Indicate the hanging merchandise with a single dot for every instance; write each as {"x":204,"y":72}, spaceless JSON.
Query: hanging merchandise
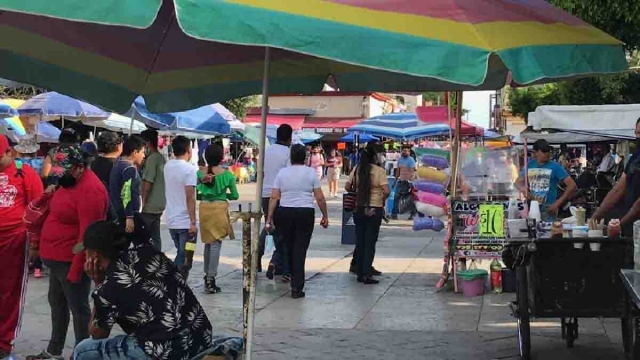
{"x":427,"y":223}
{"x":437,"y":162}
{"x":433,"y":199}
{"x":429,"y":210}
{"x":429,"y":186}
{"x":432,"y":174}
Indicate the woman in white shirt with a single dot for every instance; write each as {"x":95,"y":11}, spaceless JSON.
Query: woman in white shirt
{"x":296,"y":187}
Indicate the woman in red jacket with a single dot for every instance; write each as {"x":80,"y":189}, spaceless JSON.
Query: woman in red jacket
{"x":80,"y":200}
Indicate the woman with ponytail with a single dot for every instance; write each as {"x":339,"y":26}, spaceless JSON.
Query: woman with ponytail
{"x":372,"y":189}
{"x":216,"y":186}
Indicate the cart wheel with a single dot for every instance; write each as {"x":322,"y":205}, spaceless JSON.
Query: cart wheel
{"x":571,"y":326}
{"x":627,"y":337}
{"x":524,"y":338}
{"x":524,"y":328}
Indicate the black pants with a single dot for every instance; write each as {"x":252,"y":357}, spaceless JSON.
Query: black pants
{"x":296,"y":227}
{"x":367,"y":231}
{"x":65,"y":296}
{"x":152,"y":222}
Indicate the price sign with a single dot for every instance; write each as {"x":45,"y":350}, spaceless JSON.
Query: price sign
{"x":491,"y":220}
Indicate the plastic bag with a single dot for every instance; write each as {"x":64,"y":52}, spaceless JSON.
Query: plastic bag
{"x":433,"y":199}
{"x":429,"y":186}
{"x":435,"y":161}
{"x":406,"y":204}
{"x":269,"y":244}
{"x":429,"y":210}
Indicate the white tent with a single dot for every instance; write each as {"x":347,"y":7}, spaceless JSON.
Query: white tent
{"x":581,"y":124}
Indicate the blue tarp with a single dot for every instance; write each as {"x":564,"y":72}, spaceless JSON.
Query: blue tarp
{"x":403,"y":126}
{"x":53,"y":104}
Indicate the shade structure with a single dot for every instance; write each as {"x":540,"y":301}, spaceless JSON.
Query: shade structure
{"x":205,"y":120}
{"x":6,"y":111}
{"x":440,"y":115}
{"x":46,"y":133}
{"x":363,"y":138}
{"x":189,"y":54}
{"x":299,"y":136}
{"x":55,"y":105}
{"x":118,"y":123}
{"x":403,"y":126}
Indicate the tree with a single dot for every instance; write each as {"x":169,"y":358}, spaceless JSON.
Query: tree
{"x":526,"y":100}
{"x":20,"y":92}
{"x":239,"y":106}
{"x":619,"y":18}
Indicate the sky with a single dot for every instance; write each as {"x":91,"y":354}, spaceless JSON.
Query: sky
{"x":477,"y":102}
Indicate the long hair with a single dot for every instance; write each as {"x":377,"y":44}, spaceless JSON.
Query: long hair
{"x":363,"y":173}
{"x":214,"y":155}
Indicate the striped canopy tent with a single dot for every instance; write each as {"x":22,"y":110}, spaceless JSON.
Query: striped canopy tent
{"x":408,"y":126}
{"x":197,"y":52}
{"x":191,"y":54}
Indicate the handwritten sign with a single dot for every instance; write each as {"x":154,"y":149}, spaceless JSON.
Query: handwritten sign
{"x":491,"y":220}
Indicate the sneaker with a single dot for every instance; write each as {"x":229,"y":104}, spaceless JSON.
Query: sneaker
{"x":44,"y":356}
{"x":297,"y":294}
{"x":210,"y":286}
{"x":37,"y":273}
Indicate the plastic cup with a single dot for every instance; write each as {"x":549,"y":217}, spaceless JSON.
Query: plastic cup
{"x":595,"y":246}
{"x":578,"y":245}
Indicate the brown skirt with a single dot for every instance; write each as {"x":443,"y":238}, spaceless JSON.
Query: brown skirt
{"x":215,"y":224}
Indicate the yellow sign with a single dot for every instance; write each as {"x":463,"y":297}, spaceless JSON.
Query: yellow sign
{"x":491,"y":220}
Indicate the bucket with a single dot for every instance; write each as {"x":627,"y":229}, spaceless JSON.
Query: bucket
{"x":472,"y":282}
{"x":508,"y":280}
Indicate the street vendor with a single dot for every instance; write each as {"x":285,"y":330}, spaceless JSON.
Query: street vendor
{"x":544,"y":176}
{"x":623,"y":201}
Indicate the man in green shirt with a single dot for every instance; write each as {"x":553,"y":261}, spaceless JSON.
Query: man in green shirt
{"x":153,"y":198}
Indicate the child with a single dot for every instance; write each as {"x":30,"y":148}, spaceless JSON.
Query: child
{"x":215,"y":186}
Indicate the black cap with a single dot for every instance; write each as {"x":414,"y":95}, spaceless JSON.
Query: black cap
{"x":541,"y":145}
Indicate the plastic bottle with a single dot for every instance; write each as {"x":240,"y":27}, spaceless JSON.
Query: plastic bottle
{"x":512,"y":211}
{"x":429,"y":186}
{"x":496,"y":276}
{"x":534,"y":211}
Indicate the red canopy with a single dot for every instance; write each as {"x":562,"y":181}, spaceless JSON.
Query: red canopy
{"x":331,"y":123}
{"x":440,"y":115}
{"x":294,"y":120}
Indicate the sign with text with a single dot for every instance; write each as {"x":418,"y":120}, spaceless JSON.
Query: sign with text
{"x":491,"y":220}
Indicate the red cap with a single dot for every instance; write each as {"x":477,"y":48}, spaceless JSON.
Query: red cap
{"x":4,"y":144}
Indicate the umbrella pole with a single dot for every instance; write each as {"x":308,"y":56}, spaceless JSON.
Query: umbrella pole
{"x":456,"y":144}
{"x":250,"y":302}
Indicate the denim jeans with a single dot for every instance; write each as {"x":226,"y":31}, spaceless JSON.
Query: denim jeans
{"x":367,"y":232}
{"x":64,"y":296}
{"x":121,"y":347}
{"x":179,"y":237}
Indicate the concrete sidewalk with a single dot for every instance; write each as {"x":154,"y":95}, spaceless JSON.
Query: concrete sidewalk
{"x":403,"y":317}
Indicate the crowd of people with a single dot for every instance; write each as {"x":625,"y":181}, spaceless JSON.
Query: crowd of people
{"x":98,"y":210}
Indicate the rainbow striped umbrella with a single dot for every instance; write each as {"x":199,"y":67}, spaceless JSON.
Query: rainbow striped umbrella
{"x":190,"y":54}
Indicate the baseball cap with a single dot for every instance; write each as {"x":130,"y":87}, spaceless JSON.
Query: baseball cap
{"x":4,"y":144}
{"x":541,"y":145}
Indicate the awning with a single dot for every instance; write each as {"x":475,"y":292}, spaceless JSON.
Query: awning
{"x":336,"y":124}
{"x":295,"y":121}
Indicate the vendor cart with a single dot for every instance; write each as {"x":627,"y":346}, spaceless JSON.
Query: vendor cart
{"x":564,"y":278}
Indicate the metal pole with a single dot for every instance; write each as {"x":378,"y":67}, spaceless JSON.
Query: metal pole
{"x":456,"y":144}
{"x":255,"y":234}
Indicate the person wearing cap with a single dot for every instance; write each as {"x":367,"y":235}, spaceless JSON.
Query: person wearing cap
{"x":109,"y":150}
{"x":79,"y":200}
{"x":153,"y":199}
{"x":544,"y":176}
{"x":141,"y":290}
{"x":19,"y":185}
{"x":56,"y":160}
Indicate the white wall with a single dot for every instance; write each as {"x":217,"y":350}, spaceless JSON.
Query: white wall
{"x":514,"y":129}
{"x":325,"y":106}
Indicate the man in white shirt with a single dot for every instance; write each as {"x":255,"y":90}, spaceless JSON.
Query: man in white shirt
{"x":181,"y":178}
{"x":276,"y":157}
{"x":608,"y":163}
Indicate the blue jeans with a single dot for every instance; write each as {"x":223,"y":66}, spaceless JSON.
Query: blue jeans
{"x":180,"y":238}
{"x":121,"y":347}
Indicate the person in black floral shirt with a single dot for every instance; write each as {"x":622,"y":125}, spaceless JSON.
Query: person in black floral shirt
{"x":141,"y":290}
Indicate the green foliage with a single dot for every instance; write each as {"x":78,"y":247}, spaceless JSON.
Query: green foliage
{"x":20,"y":92}
{"x":239,"y":106}
{"x":619,"y":18}
{"x":525,"y":100}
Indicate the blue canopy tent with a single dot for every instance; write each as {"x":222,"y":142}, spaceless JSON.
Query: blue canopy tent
{"x":52,"y":105}
{"x":7,"y":111}
{"x":363,"y":138}
{"x":402,"y":126}
{"x":205,"y":120}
